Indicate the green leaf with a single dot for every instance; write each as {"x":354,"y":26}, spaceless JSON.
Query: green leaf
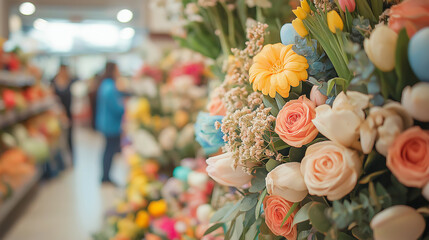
{"x":291,"y":210}
{"x":259,"y":204}
{"x":238,"y":228}
{"x":377,"y":7}
{"x":271,"y":103}
{"x":302,"y":214}
{"x":252,"y":232}
{"x":280,"y":101}
{"x":318,"y":218}
{"x":371,"y":176}
{"x":365,"y":10}
{"x":280,"y":145}
{"x":232,"y":213}
{"x":340,"y":84}
{"x":271,"y":164}
{"x":217,"y":216}
{"x":317,"y":140}
{"x":349,"y":20}
{"x":298,"y":89}
{"x":258,"y":183}
{"x":297,"y":154}
{"x":403,"y":69}
{"x":213,"y":228}
{"x":248,"y":202}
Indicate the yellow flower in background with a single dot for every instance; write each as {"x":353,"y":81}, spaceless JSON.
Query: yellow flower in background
{"x":299,"y":27}
{"x":181,"y":118}
{"x":143,"y":219}
{"x":334,"y":21}
{"x":134,"y":160}
{"x":305,"y":6}
{"x":127,"y":227}
{"x":276,"y":68}
{"x":300,"y":13}
{"x":157,"y":208}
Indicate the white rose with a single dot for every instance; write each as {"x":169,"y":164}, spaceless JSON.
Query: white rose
{"x":398,"y":223}
{"x":416,"y":100}
{"x":287,"y":182}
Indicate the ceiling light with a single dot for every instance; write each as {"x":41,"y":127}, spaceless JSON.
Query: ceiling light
{"x":40,"y":24}
{"x":127,"y":33}
{"x":27,"y":8}
{"x":124,"y":15}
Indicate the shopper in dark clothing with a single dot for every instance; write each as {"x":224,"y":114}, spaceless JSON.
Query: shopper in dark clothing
{"x":62,"y":87}
{"x":110,"y":109}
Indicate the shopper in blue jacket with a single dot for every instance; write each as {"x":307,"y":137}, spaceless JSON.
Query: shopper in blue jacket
{"x":110,"y":108}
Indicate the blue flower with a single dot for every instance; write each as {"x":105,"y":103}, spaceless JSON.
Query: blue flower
{"x":320,"y":67}
{"x":206,"y":134}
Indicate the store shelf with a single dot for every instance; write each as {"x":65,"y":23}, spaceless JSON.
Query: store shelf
{"x":11,"y":117}
{"x":18,"y":79}
{"x":9,"y":204}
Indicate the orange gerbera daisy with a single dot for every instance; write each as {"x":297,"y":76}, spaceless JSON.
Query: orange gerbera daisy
{"x":276,"y":68}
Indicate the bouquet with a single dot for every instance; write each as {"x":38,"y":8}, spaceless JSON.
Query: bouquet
{"x":325,"y":135}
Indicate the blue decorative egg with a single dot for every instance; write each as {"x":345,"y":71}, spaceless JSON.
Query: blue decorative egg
{"x":288,"y":34}
{"x":182,"y":173}
{"x":418,"y":54}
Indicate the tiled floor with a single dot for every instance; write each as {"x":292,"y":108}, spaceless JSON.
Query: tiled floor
{"x":71,"y":206}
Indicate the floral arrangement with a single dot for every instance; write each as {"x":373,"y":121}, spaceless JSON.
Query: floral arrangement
{"x":213,"y":27}
{"x":160,"y":116}
{"x":155,"y":208}
{"x":325,"y":134}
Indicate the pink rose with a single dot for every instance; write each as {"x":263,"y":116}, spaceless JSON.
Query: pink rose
{"x":317,"y":97}
{"x":349,"y":4}
{"x":275,"y":209}
{"x":408,"y":157}
{"x":294,"y":125}
{"x":410,"y":14}
{"x":216,"y":107}
{"x":330,"y":169}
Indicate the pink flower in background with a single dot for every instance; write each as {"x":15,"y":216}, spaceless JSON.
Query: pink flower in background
{"x":166,"y":226}
{"x":153,"y":72}
{"x":410,"y":14}
{"x":349,"y":4}
{"x":194,"y":70}
{"x":294,"y":125}
{"x":408,"y":157}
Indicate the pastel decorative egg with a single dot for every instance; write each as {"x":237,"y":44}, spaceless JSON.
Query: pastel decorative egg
{"x":418,"y":54}
{"x":288,"y":34}
{"x":182,"y":173}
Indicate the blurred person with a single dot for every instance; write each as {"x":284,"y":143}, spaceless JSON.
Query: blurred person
{"x":109,"y":111}
{"x":61,"y":84}
{"x":93,"y":88}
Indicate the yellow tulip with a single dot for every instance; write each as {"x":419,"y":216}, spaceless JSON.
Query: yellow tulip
{"x":300,"y":13}
{"x":334,"y":21}
{"x":305,"y":6}
{"x":142,"y":219}
{"x":299,"y":27}
{"x":157,"y":208}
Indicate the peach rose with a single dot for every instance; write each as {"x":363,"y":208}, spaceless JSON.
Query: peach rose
{"x":294,"y":125}
{"x":410,"y":14}
{"x":275,"y":209}
{"x":408,"y":157}
{"x":216,"y":107}
{"x":330,"y":169}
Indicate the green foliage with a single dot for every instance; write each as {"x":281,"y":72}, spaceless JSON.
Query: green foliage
{"x":403,"y":69}
{"x":359,"y":210}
